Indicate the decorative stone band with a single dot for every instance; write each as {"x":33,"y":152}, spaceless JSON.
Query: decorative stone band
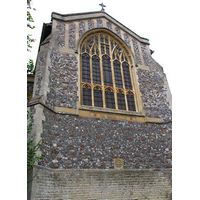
{"x":88,"y":111}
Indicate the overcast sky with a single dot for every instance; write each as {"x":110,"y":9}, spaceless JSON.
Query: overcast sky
{"x":167,"y":24}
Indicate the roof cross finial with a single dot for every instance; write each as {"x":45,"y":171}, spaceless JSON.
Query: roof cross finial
{"x":102,"y":5}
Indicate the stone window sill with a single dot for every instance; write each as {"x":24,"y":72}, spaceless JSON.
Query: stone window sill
{"x":113,"y":111}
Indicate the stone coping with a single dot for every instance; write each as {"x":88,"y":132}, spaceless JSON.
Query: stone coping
{"x":105,"y":170}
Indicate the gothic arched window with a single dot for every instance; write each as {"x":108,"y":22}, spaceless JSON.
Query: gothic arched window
{"x":107,"y":78}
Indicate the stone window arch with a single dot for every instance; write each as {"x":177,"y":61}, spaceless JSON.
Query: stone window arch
{"x":106,"y":74}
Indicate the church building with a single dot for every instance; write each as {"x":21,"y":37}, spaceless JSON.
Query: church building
{"x":101,"y":106}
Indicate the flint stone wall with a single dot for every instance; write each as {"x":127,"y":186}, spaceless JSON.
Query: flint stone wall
{"x":63,"y":80}
{"x":93,"y":143}
{"x":154,"y":94}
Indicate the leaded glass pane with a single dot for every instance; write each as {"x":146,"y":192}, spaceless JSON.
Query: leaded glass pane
{"x":98,"y":97}
{"x":85,"y":68}
{"x":96,"y":40}
{"x":121,"y":101}
{"x":112,"y":45}
{"x":107,"y":71}
{"x":118,"y":49}
{"x":102,"y":49}
{"x":122,"y":57}
{"x":117,"y":55}
{"x":87,"y":96}
{"x":106,"y":39}
{"x":110,"y":101}
{"x":96,"y":70}
{"x":83,"y":48}
{"x":118,"y":76}
{"x":87,"y":49}
{"x":93,"y":51}
{"x":107,"y":50}
{"x":127,"y":78}
{"x":101,"y":38}
{"x":113,"y":54}
{"x":90,"y":41}
{"x":131,"y":101}
{"x":97,"y":51}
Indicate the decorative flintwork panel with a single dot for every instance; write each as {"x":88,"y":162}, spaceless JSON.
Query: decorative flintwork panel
{"x":118,"y":31}
{"x":99,"y":23}
{"x":127,"y":39}
{"x":60,"y":40}
{"x":72,"y":35}
{"x":136,"y":50}
{"x":90,"y":24}
{"x":109,"y":25}
{"x":81,"y":28}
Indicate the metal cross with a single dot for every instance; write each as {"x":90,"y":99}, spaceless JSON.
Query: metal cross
{"x":102,"y":5}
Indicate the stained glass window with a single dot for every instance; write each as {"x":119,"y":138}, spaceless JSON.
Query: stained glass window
{"x":106,"y":73}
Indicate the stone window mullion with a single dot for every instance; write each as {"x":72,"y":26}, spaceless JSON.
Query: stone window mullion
{"x":101,"y":71}
{"x":91,"y":78}
{"x":113,"y":75}
{"x":123,"y":82}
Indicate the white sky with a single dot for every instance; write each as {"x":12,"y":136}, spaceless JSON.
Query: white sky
{"x":167,"y":24}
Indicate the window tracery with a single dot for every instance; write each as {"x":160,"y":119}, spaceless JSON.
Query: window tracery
{"x":106,"y":74}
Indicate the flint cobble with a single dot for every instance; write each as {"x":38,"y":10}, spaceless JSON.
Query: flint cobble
{"x":155,"y":104}
{"x":62,"y":80}
{"x":82,"y":142}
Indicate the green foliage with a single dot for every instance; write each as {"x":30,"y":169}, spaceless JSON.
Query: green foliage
{"x":29,"y":20}
{"x":32,"y":149}
{"x":29,"y":41}
{"x":29,"y":17}
{"x":32,"y":158}
{"x":30,"y":67}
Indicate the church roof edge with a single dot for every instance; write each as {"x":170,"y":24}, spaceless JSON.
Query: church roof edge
{"x":96,"y":14}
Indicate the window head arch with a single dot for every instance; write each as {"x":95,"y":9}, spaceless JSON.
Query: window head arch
{"x":106,"y":67}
